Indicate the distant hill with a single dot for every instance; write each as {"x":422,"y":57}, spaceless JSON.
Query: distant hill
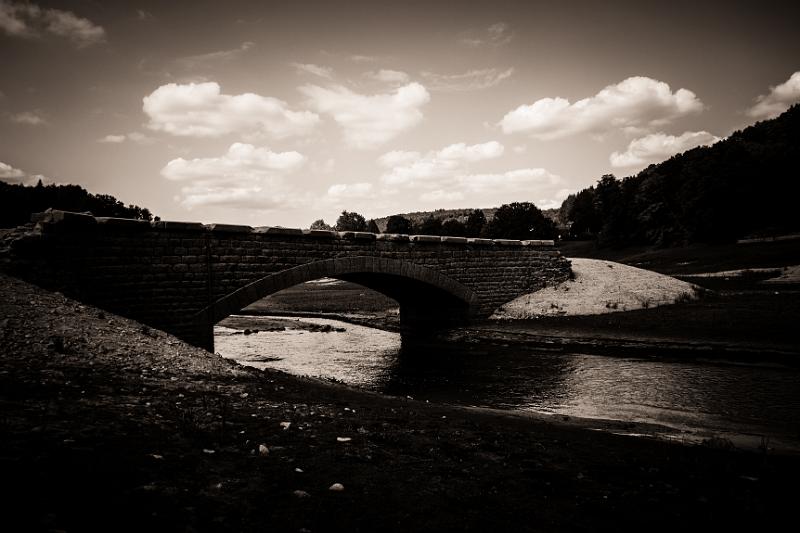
{"x":460,"y":214}
{"x":745,"y":185}
{"x":442,"y":214}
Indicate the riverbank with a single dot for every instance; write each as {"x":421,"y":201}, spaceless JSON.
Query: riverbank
{"x":110,"y":425}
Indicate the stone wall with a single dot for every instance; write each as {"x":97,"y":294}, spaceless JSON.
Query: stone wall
{"x":182,"y":277}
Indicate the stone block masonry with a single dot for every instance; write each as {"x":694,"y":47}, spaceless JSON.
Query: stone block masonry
{"x":183,"y":277}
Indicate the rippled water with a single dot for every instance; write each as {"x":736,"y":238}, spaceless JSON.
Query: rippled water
{"x":688,"y":399}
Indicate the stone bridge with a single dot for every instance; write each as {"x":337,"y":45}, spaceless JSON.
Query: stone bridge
{"x":184,"y":277}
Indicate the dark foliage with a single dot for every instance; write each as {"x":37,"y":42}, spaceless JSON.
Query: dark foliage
{"x":454,"y":228}
{"x":429,"y":226}
{"x":18,"y":202}
{"x":476,"y":221}
{"x":320,"y":224}
{"x":372,"y":226}
{"x":398,"y":224}
{"x":520,"y":220}
{"x":351,"y":222}
{"x":744,"y":185}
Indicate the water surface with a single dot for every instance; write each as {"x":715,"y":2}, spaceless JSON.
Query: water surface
{"x":685,"y":400}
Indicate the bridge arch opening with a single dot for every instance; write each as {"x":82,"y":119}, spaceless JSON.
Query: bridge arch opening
{"x":429,"y":301}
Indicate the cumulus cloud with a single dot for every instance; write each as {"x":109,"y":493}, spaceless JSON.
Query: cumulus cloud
{"x":245,"y":176}
{"x":369,"y":120}
{"x":29,"y":118}
{"x":498,"y":34}
{"x":388,"y":76}
{"x":350,"y":190}
{"x":659,"y":146}
{"x":446,"y":178}
{"x":30,"y":21}
{"x":11,"y":174}
{"x":472,"y":80}
{"x":778,"y":100}
{"x":311,"y":68}
{"x":16,"y":176}
{"x":202,"y":110}
{"x":409,"y":168}
{"x":538,"y":185}
{"x":133,"y":136}
{"x":632,"y":103}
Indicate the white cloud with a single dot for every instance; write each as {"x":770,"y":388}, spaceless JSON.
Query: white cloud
{"x":29,"y":118}
{"x":350,"y":190}
{"x":398,"y":158}
{"x":439,"y":196}
{"x":659,"y":146}
{"x":11,"y":174}
{"x":311,"y":68}
{"x":16,"y":176}
{"x":411,"y":168}
{"x":472,"y":80}
{"x":112,"y":139}
{"x":445,"y":178}
{"x":498,"y":34}
{"x":370,"y":120}
{"x":210,"y":58}
{"x":244,"y":177}
{"x":535,"y":185}
{"x":201,"y":110}
{"x":133,"y":136}
{"x":388,"y":76}
{"x":359,"y":58}
{"x":29,"y":20}
{"x":634,"y":102}
{"x":779,"y":99}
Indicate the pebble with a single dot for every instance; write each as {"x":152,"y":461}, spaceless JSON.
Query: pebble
{"x":301,"y":494}
{"x":263,"y":451}
{"x":336,"y":487}
{"x":285,"y":425}
{"x":343,"y":439}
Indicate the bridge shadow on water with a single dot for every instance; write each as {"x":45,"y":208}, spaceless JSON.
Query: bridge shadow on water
{"x":477,"y":374}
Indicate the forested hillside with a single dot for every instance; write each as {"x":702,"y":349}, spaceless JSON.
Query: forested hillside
{"x":747,"y":184}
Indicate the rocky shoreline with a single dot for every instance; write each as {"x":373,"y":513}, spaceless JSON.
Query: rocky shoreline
{"x":110,"y":425}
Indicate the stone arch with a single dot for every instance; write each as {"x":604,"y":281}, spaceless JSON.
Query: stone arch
{"x":410,"y":284}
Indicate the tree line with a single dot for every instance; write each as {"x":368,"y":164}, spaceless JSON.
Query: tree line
{"x":745,"y":185}
{"x":518,"y":220}
{"x":18,"y":201}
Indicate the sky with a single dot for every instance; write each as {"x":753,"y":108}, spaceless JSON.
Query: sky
{"x":281,"y":113}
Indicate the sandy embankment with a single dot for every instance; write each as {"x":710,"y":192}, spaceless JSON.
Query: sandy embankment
{"x":600,"y":287}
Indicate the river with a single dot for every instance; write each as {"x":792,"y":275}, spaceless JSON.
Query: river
{"x":750,"y":406}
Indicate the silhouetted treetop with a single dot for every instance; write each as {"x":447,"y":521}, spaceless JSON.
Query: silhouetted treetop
{"x":18,"y":202}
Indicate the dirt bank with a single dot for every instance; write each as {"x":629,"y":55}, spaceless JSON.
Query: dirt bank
{"x":109,"y":425}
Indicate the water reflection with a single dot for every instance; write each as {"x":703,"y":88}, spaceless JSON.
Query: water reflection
{"x":688,"y":397}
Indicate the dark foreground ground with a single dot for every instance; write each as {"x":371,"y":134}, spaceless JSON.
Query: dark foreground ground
{"x":107,"y":425}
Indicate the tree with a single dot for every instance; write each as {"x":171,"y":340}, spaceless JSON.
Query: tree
{"x":429,"y":226}
{"x":398,"y":224}
{"x":582,"y":216}
{"x":372,"y":226}
{"x":351,"y":222}
{"x":475,"y":223}
{"x":520,"y":220}
{"x":320,"y":224}
{"x":453,"y":227}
